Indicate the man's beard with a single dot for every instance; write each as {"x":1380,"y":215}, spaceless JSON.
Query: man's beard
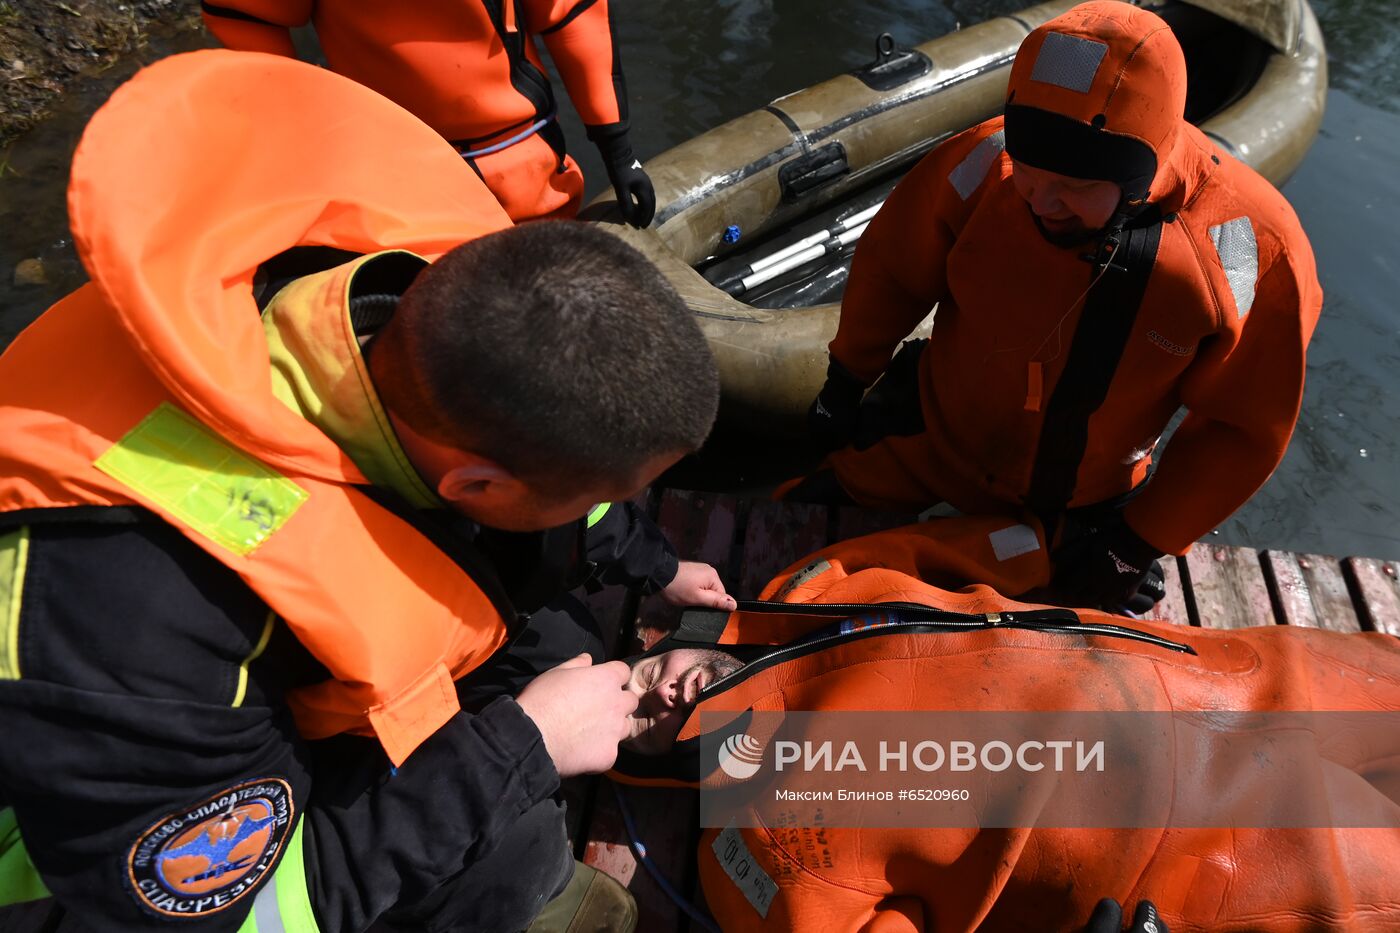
{"x":1075,"y":236}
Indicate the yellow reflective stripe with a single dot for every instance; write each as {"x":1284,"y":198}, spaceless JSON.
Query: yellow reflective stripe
{"x":253,"y":655}
{"x":183,"y":467}
{"x":19,"y":879}
{"x":14,"y":560}
{"x":595,"y":516}
{"x":284,"y":904}
{"x":293,"y":897}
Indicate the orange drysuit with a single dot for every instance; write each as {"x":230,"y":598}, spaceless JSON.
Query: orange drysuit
{"x":152,"y":385}
{"x":467,"y":68}
{"x":1230,"y":301}
{"x":1042,"y":879}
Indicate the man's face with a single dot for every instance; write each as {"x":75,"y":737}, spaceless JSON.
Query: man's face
{"x":522,"y":505}
{"x":1066,"y":208}
{"x":666,"y":686}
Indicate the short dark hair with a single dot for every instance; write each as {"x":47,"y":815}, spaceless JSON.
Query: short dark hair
{"x":553,"y":348}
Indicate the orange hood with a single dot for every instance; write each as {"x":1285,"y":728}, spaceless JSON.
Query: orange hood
{"x":1099,"y":92}
{"x":172,"y":242}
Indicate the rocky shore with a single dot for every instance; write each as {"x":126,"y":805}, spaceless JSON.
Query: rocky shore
{"x":46,"y":46}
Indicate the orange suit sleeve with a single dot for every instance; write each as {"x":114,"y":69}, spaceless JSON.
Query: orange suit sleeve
{"x":1242,"y":396}
{"x":580,"y":39}
{"x":899,"y":271}
{"x":256,"y":25}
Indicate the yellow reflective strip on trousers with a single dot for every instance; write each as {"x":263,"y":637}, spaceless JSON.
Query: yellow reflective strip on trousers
{"x":14,"y":560}
{"x":19,"y":879}
{"x":596,"y":516}
{"x":207,"y":483}
{"x":284,"y":904}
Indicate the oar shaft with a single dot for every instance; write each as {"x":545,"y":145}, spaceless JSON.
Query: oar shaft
{"x":821,"y":236}
{"x":771,"y":272}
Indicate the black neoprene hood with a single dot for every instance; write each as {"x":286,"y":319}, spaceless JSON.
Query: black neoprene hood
{"x":1056,"y":143}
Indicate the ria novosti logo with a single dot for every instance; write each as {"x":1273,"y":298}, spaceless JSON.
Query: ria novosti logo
{"x":741,"y":756}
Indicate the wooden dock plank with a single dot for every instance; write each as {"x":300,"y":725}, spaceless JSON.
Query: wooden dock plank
{"x":1228,"y":587}
{"x":778,"y":534}
{"x":1290,"y":589}
{"x":1328,"y":593}
{"x":1172,"y":607}
{"x":700,"y":526}
{"x":1377,"y":586}
{"x":666,"y":819}
{"x":1311,"y":590}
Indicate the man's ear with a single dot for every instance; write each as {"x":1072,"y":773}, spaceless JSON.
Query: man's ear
{"x":474,"y":478}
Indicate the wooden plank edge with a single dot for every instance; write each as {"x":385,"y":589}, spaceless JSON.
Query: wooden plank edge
{"x":1288,"y":590}
{"x":1330,"y":593}
{"x":1375,"y":592}
{"x":1228,"y":587}
{"x":1188,"y":591}
{"x":663,"y":820}
{"x":700,"y":525}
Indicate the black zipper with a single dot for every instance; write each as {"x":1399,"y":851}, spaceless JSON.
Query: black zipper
{"x":937,"y":621}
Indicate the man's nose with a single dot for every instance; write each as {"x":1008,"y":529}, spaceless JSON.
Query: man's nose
{"x":1045,"y":199}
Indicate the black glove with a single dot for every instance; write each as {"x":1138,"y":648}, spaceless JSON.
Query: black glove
{"x":835,"y":412}
{"x":892,"y":407}
{"x":1149,"y":592}
{"x":635,"y":196}
{"x":1108,"y":918}
{"x":1108,"y":569}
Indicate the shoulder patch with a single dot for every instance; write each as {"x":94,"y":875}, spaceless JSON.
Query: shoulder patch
{"x":1013,"y":541}
{"x":971,"y":171}
{"x":204,"y":859}
{"x":1239,"y":256}
{"x":203,"y":480}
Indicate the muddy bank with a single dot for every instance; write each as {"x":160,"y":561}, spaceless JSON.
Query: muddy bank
{"x":58,"y":62}
{"x":48,"y":46}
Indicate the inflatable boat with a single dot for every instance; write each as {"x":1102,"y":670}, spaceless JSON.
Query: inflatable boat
{"x":756,"y":220}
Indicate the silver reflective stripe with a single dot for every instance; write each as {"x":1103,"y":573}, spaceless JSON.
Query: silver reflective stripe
{"x":1014,"y":541}
{"x":1068,"y":61}
{"x":265,"y":909}
{"x":972,"y":169}
{"x":1239,"y":256}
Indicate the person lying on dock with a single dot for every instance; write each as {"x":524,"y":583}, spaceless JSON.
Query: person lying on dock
{"x":292,"y":494}
{"x":1303,"y":820}
{"x":1097,"y":263}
